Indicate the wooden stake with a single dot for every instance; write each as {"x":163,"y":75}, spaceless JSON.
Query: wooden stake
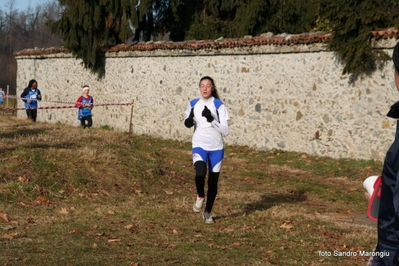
{"x":131,"y":118}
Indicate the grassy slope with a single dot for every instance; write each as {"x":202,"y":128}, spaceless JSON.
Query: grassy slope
{"x":98,"y":197}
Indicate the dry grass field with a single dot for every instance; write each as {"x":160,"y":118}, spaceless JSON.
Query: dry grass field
{"x":70,"y":196}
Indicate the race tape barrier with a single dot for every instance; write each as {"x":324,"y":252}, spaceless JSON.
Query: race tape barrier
{"x":64,"y":107}
{"x":62,"y":102}
{"x":42,"y":101}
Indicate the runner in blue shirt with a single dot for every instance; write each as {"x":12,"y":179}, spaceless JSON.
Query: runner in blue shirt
{"x":1,"y":96}
{"x":31,"y":95}
{"x":85,"y":104}
{"x":209,"y":117}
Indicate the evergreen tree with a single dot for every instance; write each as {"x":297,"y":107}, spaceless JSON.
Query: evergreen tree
{"x":210,"y":19}
{"x":181,"y":15}
{"x":292,"y":16}
{"x":142,"y":20}
{"x":88,"y":25}
{"x":352,"y":22}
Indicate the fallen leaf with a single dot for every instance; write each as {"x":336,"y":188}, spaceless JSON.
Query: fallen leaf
{"x":10,"y":236}
{"x":75,"y":231}
{"x":111,"y":212}
{"x":7,"y":228}
{"x":5,"y":217}
{"x":129,"y":226}
{"x":63,"y":211}
{"x":35,"y":203}
{"x":22,"y":204}
{"x":94,"y":245}
{"x":42,"y":190}
{"x":43,"y":199}
{"x":105,"y":192}
{"x":23,"y":179}
{"x":134,"y":264}
{"x":175,"y":232}
{"x":286,"y":225}
{"x":168,"y":192}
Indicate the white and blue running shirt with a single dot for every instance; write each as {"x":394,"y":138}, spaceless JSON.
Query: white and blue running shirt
{"x":32,"y":99}
{"x":209,"y":136}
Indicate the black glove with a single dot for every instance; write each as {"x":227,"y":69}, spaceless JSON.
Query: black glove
{"x":189,"y":122}
{"x":207,"y":113}
{"x":394,"y":111}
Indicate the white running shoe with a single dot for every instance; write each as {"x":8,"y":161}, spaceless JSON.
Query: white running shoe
{"x":208,"y":218}
{"x":198,"y":204}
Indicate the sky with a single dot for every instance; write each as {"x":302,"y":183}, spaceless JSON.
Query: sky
{"x":22,"y":5}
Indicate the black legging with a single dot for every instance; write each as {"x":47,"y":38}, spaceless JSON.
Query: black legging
{"x":88,"y":119}
{"x":32,"y":114}
{"x":213,"y":178}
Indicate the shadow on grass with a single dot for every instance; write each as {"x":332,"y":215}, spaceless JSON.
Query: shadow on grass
{"x":32,"y":132}
{"x":267,"y":201}
{"x":21,"y":133}
{"x":63,"y":145}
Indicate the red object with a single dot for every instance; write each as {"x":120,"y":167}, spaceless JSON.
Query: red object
{"x":374,"y":202}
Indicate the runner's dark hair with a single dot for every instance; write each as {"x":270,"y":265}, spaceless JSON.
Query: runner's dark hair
{"x":214,"y":91}
{"x":395,"y":57}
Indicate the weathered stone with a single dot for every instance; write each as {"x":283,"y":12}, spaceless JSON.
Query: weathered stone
{"x":299,"y":115}
{"x":386,"y":124}
{"x":297,"y":89}
{"x":258,"y":108}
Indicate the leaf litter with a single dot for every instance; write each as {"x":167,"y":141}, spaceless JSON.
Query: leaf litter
{"x":264,"y":197}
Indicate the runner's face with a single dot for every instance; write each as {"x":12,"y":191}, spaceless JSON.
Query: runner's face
{"x":206,"y":88}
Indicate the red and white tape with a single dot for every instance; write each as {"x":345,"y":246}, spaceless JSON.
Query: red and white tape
{"x":64,"y":107}
{"x":61,"y":102}
{"x":60,"y":107}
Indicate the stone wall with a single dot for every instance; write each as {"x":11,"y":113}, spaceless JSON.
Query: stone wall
{"x":292,"y":98}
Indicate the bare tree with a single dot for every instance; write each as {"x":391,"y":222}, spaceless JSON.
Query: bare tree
{"x":21,"y":30}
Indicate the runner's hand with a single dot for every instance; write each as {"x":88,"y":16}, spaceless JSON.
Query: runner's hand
{"x":207,"y":113}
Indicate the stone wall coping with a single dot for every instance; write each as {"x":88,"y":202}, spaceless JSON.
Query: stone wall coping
{"x":267,"y":43}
